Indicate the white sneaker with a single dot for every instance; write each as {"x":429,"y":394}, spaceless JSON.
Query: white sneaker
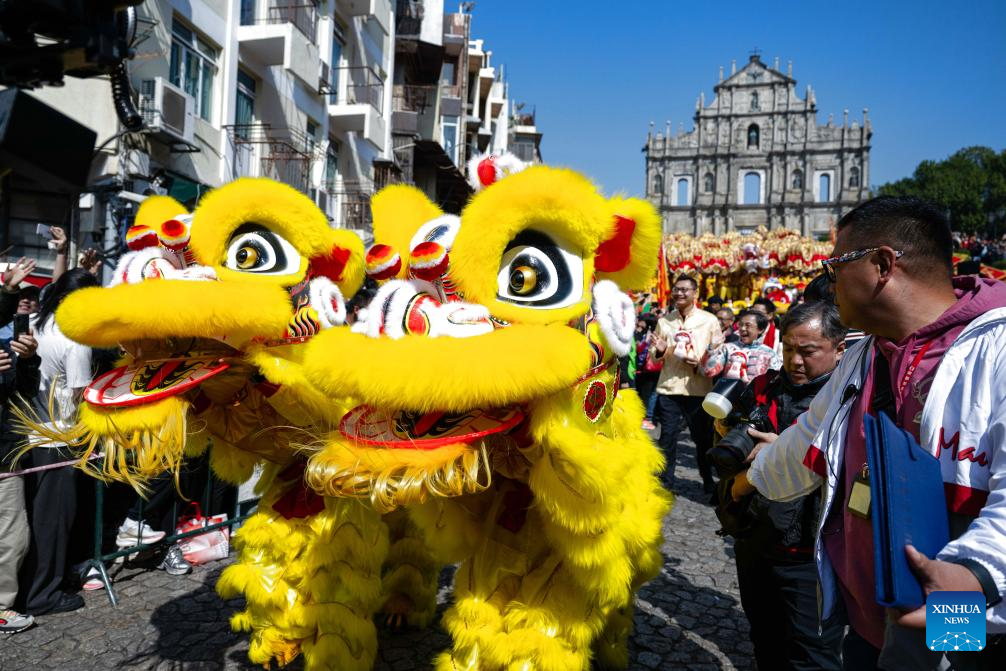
{"x":11,"y":621}
{"x":135,"y":533}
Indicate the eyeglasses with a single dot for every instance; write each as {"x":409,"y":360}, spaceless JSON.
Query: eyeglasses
{"x":686,"y":290}
{"x":829,"y":264}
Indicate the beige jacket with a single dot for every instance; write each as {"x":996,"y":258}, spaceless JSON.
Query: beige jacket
{"x":703,"y":331}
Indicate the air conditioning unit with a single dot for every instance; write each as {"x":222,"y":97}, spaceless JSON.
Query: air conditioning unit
{"x":167,"y":109}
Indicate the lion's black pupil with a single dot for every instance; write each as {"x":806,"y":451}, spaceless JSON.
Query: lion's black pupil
{"x":517,"y":281}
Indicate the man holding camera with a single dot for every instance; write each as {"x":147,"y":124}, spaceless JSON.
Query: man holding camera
{"x":774,"y":547}
{"x":938,"y":352}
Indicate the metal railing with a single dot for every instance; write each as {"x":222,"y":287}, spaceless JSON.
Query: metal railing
{"x":450,"y":90}
{"x":363,"y":85}
{"x":385,"y":173}
{"x":454,"y":24}
{"x":100,"y":559}
{"x":282,"y":154}
{"x":523,"y":119}
{"x":353,"y":199}
{"x":304,"y":16}
{"x":412,"y":97}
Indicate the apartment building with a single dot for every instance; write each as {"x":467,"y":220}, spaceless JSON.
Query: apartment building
{"x":336,"y":98}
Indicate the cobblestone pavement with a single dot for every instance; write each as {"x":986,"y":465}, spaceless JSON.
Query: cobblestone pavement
{"x":688,"y":618}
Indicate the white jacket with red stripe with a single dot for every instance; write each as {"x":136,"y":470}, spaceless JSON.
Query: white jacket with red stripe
{"x":963,"y":423}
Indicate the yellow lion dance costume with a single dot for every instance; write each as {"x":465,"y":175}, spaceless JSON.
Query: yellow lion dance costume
{"x":215,"y":310}
{"x":487,"y":372}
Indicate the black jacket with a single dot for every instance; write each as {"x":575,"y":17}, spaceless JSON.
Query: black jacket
{"x":21,"y":380}
{"x":780,"y":529}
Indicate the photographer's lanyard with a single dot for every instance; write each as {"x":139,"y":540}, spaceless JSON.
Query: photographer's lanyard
{"x":910,"y":371}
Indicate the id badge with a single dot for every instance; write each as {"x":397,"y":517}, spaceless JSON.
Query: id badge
{"x":859,"y":497}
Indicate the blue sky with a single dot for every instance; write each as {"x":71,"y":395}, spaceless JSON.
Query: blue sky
{"x":933,"y":74}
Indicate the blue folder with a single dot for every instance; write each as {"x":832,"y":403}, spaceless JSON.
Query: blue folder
{"x":907,"y":506}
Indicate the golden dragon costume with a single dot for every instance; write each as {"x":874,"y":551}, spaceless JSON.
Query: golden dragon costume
{"x":486,"y":370}
{"x":215,"y":310}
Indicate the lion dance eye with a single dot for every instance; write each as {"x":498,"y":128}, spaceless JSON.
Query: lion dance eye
{"x":256,"y":249}
{"x":247,"y":257}
{"x":523,"y":280}
{"x":537,"y":272}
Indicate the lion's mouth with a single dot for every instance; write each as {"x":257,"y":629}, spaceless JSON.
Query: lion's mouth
{"x":159,"y":369}
{"x":411,"y":430}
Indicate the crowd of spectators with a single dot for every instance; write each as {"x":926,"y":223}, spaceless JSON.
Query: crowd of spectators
{"x":681,"y":354}
{"x":990,"y":251}
{"x":803,"y":537}
{"x":47,"y":523}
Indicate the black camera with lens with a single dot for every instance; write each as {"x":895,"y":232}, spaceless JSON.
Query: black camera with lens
{"x":730,"y":454}
{"x":729,"y":457}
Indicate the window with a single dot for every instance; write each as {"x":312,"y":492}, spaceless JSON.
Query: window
{"x":447,"y":73}
{"x":853,"y":177}
{"x":754,"y":102}
{"x":824,"y":188}
{"x":450,"y":133}
{"x":311,"y":131}
{"x":523,"y":148}
{"x":193,"y":67}
{"x":244,"y":108}
{"x":331,"y":165}
{"x":710,"y":183}
{"x":798,"y":179}
{"x":338,"y":42}
{"x":247,"y":12}
{"x":753,"y":136}
{"x":658,"y":184}
{"x":683,"y":193}
{"x":752,"y":188}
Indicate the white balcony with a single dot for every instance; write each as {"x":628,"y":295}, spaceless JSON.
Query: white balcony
{"x":379,"y":9}
{"x":454,"y":33}
{"x":486,"y":77}
{"x":356,"y":103}
{"x":281,"y":33}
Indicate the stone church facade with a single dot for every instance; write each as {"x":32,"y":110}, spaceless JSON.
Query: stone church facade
{"x":758,"y":157}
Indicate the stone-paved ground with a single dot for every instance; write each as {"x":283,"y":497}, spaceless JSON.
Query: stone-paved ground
{"x":688,"y":618}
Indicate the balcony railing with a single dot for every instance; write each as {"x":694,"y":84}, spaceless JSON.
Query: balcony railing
{"x":385,"y":173}
{"x":304,"y":16}
{"x":450,"y":90}
{"x":523,"y":119}
{"x":353,"y":200}
{"x":454,"y":24}
{"x":413,"y":98}
{"x":363,"y":85}
{"x":408,"y":17}
{"x":282,"y":154}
